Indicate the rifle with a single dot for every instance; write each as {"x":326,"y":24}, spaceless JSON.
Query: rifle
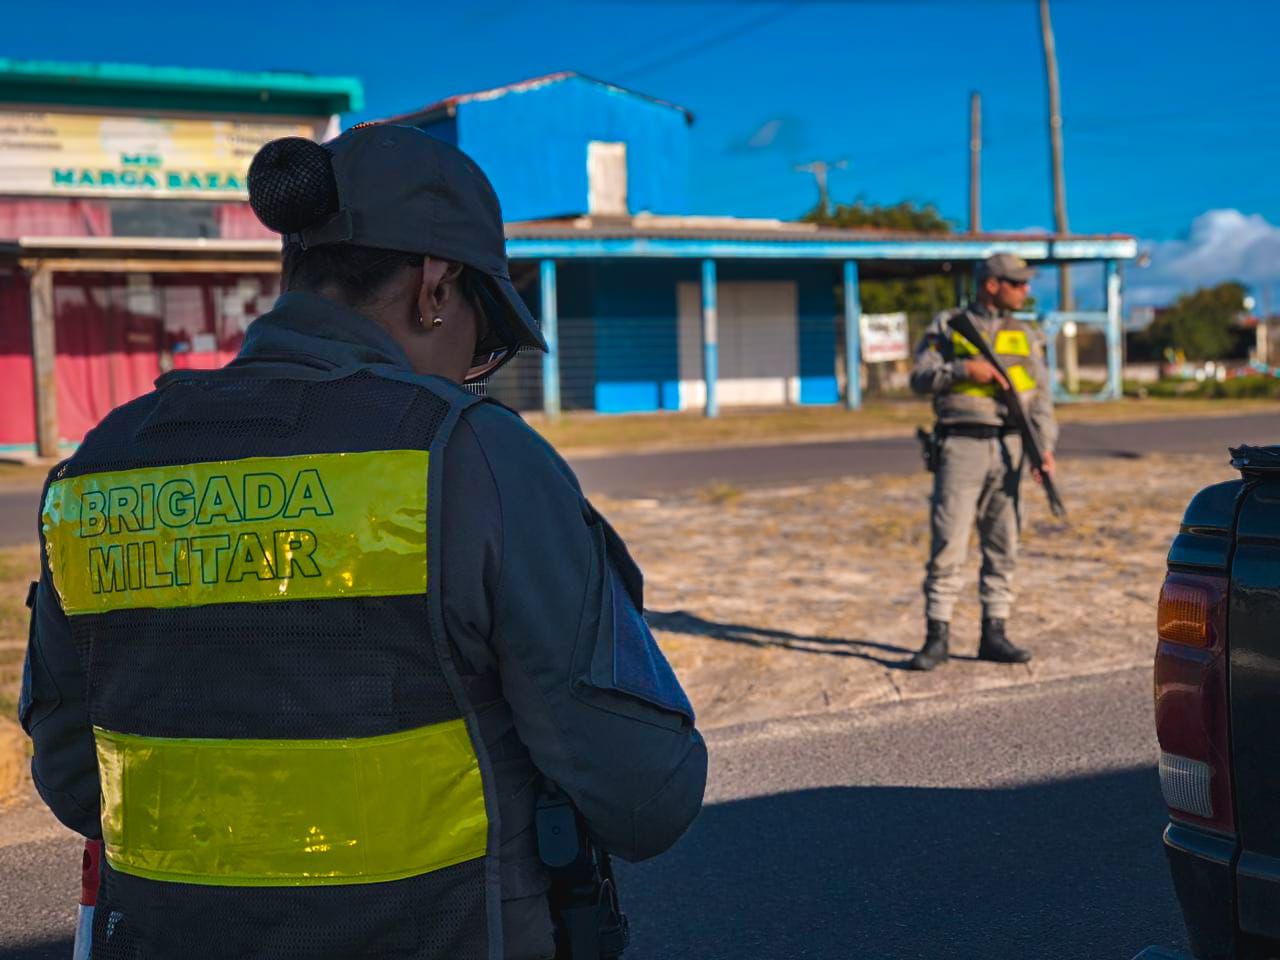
{"x":1030,"y":442}
{"x":590,"y":925}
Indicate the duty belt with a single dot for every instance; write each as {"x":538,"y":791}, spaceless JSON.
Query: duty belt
{"x":978,"y":431}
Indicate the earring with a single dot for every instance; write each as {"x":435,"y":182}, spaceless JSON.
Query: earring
{"x":438,"y":322}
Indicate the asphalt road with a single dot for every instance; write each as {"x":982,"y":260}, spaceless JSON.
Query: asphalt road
{"x":1022,"y":823}
{"x":18,"y":516}
{"x":647,"y":474}
{"x":642,"y":474}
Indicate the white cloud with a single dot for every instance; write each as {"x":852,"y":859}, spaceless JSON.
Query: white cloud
{"x":1221,"y":245}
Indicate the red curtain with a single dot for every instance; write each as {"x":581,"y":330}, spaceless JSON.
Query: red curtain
{"x":17,"y":389}
{"x":107,"y":354}
{"x":237,"y":221}
{"x":54,"y":218}
{"x":115,"y":334}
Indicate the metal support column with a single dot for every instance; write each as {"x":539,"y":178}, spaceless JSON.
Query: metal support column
{"x":550,"y":333}
{"x":852,"y":337}
{"x":43,"y":353}
{"x":1115,"y":332}
{"x":710,"y":337}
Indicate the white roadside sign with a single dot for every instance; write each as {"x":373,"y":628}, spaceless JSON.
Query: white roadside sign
{"x":884,"y":337}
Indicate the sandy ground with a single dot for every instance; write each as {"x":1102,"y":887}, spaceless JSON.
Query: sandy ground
{"x":785,"y":602}
{"x":792,"y":601}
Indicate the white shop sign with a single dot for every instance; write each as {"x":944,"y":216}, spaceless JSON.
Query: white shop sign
{"x":884,"y":337}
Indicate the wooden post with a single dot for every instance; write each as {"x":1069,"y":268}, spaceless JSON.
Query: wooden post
{"x":710,"y":337}
{"x":43,"y":354}
{"x":852,"y":337}
{"x":550,"y":333}
{"x":1066,"y":300}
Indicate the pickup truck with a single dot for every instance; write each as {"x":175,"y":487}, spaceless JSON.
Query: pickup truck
{"x":1217,"y":712}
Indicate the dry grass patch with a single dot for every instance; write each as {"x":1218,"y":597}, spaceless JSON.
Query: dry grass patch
{"x":590,"y":433}
{"x":22,"y":476}
{"x":18,"y":567}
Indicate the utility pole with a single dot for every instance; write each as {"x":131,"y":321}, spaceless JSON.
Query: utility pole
{"x":820,"y":169}
{"x":975,"y":162}
{"x":1065,"y":299}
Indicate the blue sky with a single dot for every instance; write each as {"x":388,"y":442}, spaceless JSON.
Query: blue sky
{"x":1169,"y":105}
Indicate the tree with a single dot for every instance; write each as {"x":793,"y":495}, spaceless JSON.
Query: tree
{"x":905,"y":216}
{"x":918,"y":297}
{"x":1200,"y":324}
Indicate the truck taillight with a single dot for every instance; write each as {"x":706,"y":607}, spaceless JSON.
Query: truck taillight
{"x":1191,"y":700}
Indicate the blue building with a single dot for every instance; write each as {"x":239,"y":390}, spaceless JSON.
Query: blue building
{"x":648,"y":308}
{"x":565,"y":145}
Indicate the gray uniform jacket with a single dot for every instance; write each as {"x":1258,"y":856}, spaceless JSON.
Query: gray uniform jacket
{"x":521,"y":548}
{"x":939,"y":372}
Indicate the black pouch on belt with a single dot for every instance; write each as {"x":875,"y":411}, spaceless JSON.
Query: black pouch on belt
{"x":930,"y":448}
{"x":590,"y":924}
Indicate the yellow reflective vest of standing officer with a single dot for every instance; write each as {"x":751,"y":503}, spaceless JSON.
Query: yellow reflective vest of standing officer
{"x":312,"y":629}
{"x":956,"y":400}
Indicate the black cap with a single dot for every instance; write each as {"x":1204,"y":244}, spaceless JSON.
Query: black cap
{"x":401,"y":189}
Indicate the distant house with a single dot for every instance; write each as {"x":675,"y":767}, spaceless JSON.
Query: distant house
{"x":656,"y":309}
{"x":567,"y":145}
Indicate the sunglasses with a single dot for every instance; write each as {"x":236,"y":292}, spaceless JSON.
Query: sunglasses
{"x":1014,"y":283}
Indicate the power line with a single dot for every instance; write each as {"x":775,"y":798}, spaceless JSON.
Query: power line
{"x":703,"y":45}
{"x":679,"y":34}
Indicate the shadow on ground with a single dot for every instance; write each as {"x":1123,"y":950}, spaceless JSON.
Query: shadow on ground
{"x":52,"y":949}
{"x":680,"y":621}
{"x":1092,"y":453}
{"x":1072,"y":869}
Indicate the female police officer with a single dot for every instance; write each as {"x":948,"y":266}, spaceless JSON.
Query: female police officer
{"x":313,"y":629}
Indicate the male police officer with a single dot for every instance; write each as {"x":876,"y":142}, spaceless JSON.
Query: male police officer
{"x":980,"y":460}
{"x":312,"y":629}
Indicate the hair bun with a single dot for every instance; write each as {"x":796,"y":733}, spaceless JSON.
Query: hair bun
{"x":291,"y":185}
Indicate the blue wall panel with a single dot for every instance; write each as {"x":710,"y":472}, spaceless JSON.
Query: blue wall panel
{"x":637,"y":358}
{"x":575,"y":293}
{"x":619,"y":330}
{"x":817,"y":332}
{"x":533,"y":146}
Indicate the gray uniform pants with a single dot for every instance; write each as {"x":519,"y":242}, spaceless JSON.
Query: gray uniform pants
{"x":976,"y":480}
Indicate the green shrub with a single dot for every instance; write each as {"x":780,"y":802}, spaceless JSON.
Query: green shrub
{"x":1252,"y":386}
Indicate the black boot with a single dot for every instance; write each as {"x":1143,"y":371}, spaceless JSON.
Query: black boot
{"x":995,"y":645}
{"x":934,"y":651}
